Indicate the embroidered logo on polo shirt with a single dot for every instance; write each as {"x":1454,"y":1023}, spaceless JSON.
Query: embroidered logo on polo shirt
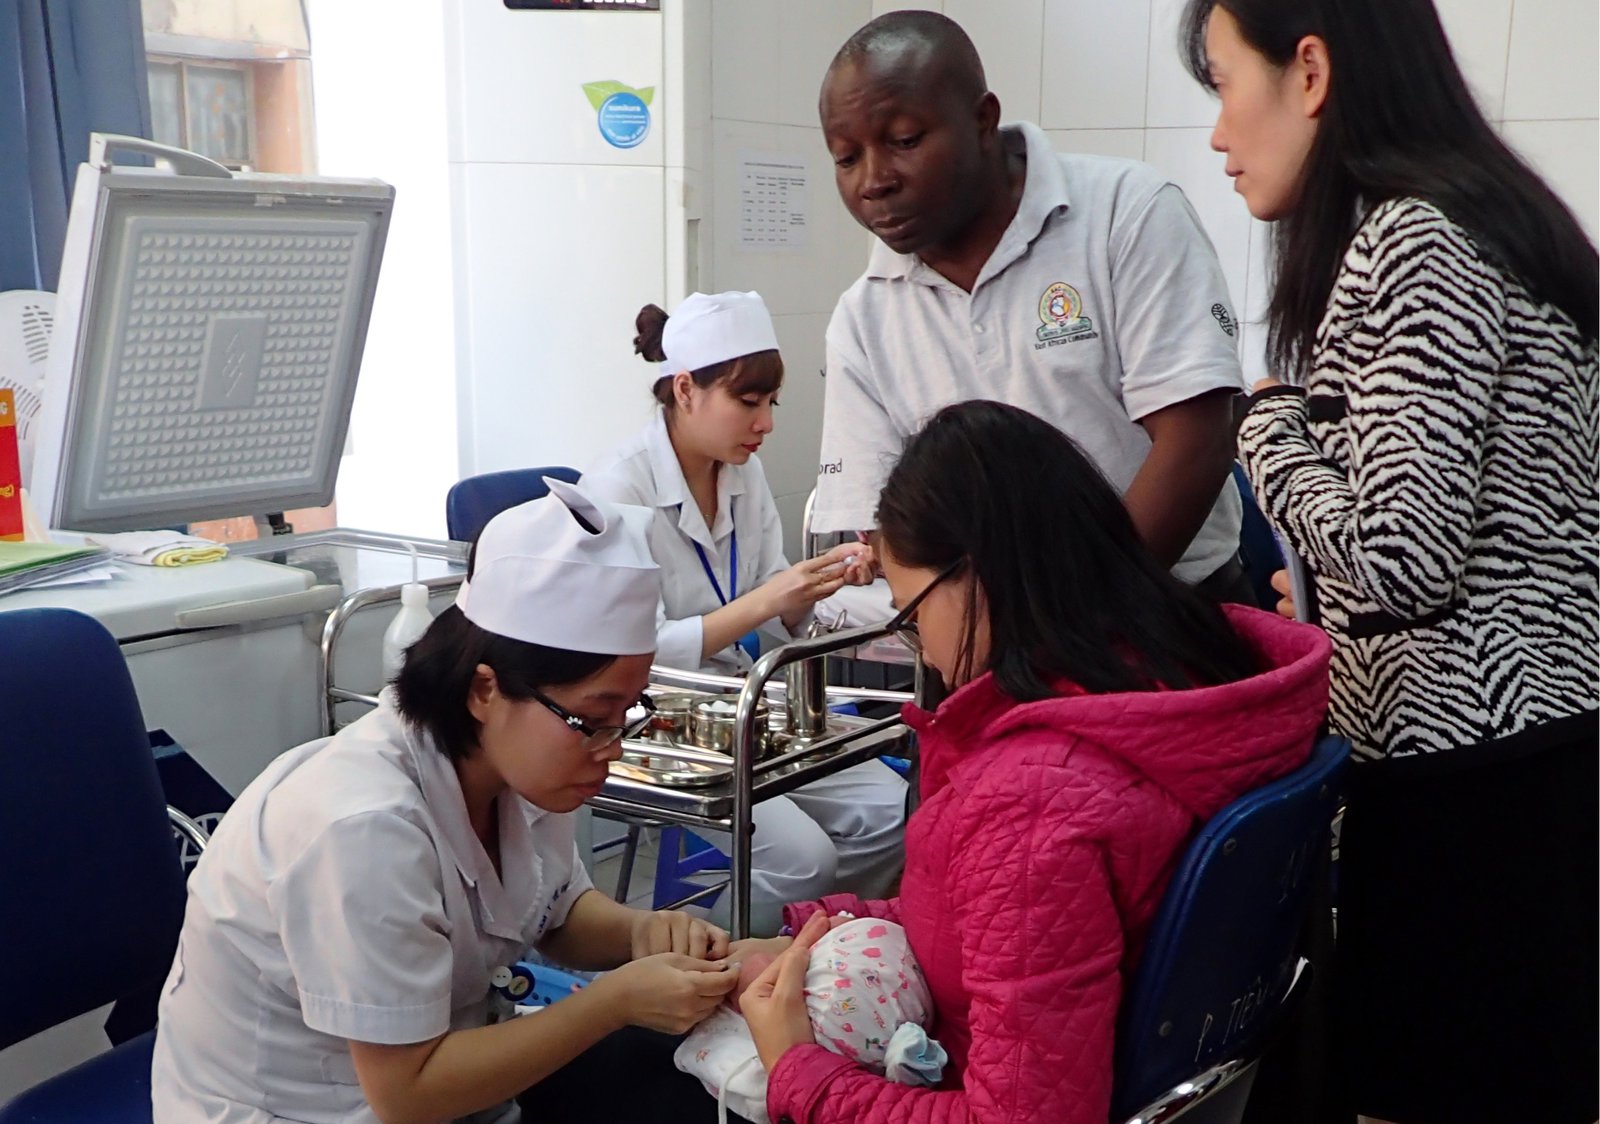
{"x":1224,"y":318}
{"x":1062,"y":318}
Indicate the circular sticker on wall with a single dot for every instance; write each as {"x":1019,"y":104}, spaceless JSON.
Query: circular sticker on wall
{"x":624,"y":120}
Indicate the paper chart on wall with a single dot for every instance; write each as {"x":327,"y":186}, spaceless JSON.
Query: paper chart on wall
{"x":774,"y":204}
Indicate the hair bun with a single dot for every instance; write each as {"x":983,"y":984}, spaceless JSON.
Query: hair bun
{"x":650,"y":323}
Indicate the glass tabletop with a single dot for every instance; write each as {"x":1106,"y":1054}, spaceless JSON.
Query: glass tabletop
{"x":357,"y":560}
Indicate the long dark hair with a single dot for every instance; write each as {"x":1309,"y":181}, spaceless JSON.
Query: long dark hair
{"x":1399,"y":122}
{"x":760,"y":373}
{"x":1072,"y":592}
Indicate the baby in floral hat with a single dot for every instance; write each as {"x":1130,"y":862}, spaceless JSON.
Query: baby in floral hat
{"x":867,"y":1000}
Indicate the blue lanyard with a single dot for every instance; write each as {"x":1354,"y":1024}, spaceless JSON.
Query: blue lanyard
{"x":751,"y":641}
{"x":733,"y":570}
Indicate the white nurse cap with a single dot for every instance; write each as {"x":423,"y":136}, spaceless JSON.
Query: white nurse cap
{"x":712,"y":328}
{"x":539,"y":576}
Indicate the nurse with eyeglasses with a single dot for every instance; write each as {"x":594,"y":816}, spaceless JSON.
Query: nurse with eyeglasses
{"x":349,"y":930}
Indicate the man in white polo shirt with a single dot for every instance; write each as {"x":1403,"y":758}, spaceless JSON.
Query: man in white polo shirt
{"x":1080,"y":288}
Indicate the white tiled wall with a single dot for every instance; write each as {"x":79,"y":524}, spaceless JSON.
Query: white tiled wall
{"x":1478,"y":31}
{"x":1101,"y":77}
{"x":1009,"y":35}
{"x":1549,"y":115}
{"x":767,"y":60}
{"x":1550,"y":60}
{"x":1095,"y":59}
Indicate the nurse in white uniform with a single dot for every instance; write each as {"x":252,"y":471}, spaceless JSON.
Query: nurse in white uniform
{"x":716,"y":535}
{"x":348,"y":926}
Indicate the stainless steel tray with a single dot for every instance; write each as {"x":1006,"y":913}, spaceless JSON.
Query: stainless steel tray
{"x":710,"y":803}
{"x":667,"y":762}
{"x":651,"y":765}
{"x":730,"y":804}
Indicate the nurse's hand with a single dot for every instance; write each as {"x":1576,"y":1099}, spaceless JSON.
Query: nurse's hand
{"x":668,"y":992}
{"x":775,"y":1004}
{"x":672,"y":930}
{"x":791,"y":594}
{"x":861,"y":565}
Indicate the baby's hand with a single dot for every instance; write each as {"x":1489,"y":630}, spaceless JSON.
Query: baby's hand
{"x":749,"y":968}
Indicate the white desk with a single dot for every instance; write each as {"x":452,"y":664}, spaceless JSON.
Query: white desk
{"x":223,"y":655}
{"x":226,"y":656}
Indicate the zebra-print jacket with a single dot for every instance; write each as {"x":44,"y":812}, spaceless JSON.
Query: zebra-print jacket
{"x":1438,"y":475}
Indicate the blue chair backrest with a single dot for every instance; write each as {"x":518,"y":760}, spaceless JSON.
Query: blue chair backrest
{"x":1258,"y":545}
{"x":1223,"y":949}
{"x":472,"y":502}
{"x":90,"y":882}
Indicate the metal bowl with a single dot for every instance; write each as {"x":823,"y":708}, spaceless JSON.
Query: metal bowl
{"x":671,"y":719}
{"x":711,"y":723}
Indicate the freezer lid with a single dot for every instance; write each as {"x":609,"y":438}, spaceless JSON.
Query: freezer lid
{"x":209,"y":330}
{"x":154,"y":601}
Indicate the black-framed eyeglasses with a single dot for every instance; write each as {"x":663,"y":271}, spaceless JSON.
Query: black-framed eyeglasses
{"x":901,"y":624}
{"x":596,"y":738}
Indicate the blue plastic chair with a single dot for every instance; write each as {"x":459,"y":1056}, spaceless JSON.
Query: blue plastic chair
{"x":472,"y":502}
{"x":1258,"y":546}
{"x":89,"y":871}
{"x":469,"y":506}
{"x":1224,"y":950}
{"x":682,"y":855}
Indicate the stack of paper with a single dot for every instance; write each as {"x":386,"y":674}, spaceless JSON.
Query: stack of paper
{"x":29,"y":563}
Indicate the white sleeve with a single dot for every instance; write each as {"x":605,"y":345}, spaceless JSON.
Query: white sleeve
{"x":679,"y":642}
{"x":362,"y":919}
{"x":1176,"y":330}
{"x":773,"y":563}
{"x":859,"y":442}
{"x":609,"y":482}
{"x":772,"y":560}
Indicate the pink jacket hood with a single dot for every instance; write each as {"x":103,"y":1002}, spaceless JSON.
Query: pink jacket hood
{"x":1203,"y":746}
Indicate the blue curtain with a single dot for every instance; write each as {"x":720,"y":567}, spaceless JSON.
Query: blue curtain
{"x":67,"y":68}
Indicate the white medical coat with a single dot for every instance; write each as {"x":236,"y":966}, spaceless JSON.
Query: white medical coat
{"x":843,"y":831}
{"x":645,"y":471}
{"x":345,"y":896}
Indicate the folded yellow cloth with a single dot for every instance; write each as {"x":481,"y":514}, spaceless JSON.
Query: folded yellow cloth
{"x":189,"y":555}
{"x":160,"y":548}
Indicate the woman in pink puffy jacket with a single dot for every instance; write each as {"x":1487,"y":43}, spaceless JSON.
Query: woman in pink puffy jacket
{"x":1100,"y":711}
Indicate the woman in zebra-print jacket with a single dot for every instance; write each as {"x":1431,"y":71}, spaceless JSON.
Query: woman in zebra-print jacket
{"x":1431,"y":454}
